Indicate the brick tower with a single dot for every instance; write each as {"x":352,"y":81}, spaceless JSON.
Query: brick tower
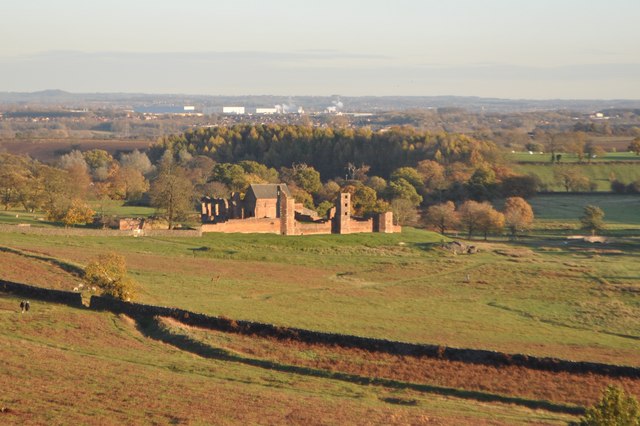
{"x":287,"y":213}
{"x":342,"y":219}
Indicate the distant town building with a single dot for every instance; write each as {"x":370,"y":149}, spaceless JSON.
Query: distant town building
{"x":233,"y":110}
{"x":266,"y":110}
{"x":167,"y":110}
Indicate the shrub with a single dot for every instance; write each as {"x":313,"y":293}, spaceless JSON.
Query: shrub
{"x":616,"y":408}
{"x":109,"y":272}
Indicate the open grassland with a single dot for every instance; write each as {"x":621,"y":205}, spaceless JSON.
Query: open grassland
{"x":104,"y":207}
{"x":71,"y":366}
{"x":519,"y":382}
{"x":538,"y":296}
{"x":117,"y":208}
{"x":609,"y":157}
{"x":563,"y":211}
{"x":601,"y":174}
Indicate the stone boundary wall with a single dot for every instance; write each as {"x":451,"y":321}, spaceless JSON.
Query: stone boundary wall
{"x":245,"y":226}
{"x":473,"y":356}
{"x":78,"y":232}
{"x":39,"y":293}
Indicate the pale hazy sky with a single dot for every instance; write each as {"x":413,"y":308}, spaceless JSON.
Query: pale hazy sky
{"x":494,"y":48}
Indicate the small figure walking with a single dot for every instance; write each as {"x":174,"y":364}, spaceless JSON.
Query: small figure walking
{"x":27,"y":306}
{"x":22,"y":306}
{"x":467,"y":279}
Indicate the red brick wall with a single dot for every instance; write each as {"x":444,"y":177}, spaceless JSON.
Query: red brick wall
{"x":266,"y":208}
{"x":303,"y":228}
{"x":360,"y":226}
{"x":250,"y":225}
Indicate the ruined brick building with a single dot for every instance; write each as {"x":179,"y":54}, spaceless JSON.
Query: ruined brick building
{"x":270,"y":208}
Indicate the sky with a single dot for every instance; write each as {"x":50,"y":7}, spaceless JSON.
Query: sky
{"x":543,"y":49}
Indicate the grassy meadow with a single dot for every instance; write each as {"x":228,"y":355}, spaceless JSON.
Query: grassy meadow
{"x":600,"y":173}
{"x":543,"y":295}
{"x":558,"y":212}
{"x":69,"y":366}
{"x":608,"y":157}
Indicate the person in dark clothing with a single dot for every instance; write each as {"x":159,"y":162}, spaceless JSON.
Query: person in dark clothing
{"x":27,"y":306}
{"x":22,"y":306}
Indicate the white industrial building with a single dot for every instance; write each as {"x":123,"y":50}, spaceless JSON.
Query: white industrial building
{"x":233,"y":110}
{"x":266,"y":110}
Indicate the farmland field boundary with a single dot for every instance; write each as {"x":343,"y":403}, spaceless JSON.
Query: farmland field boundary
{"x":251,"y":328}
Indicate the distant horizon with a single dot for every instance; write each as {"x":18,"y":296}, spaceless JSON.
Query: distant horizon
{"x":333,"y":95}
{"x":544,"y":50}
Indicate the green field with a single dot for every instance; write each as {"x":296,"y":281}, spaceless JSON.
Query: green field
{"x":600,"y":173}
{"x":560,"y":211}
{"x":68,"y":366}
{"x":536,"y":157}
{"x":108,"y":208}
{"x":540,"y":297}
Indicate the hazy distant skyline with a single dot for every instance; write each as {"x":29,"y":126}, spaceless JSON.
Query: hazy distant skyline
{"x":492,"y":48}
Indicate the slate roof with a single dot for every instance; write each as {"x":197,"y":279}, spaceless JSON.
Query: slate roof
{"x":268,"y":190}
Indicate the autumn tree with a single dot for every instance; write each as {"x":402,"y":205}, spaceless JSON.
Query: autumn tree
{"x":518,"y":215}
{"x":634,"y":146}
{"x":401,"y":188}
{"x":433,"y":175}
{"x":14,"y":175}
{"x":98,"y":161}
{"x":302,"y":175}
{"x":592,"y":219}
{"x":490,"y":220}
{"x":61,"y":188}
{"x":475,"y":216}
{"x":137,"y":160}
{"x":171,"y":191}
{"x":78,"y":213}
{"x":442,"y":216}
{"x":232,"y":175}
{"x":404,"y":212}
{"x":109,"y":273}
{"x":615,"y":408}
{"x":469,"y":215}
{"x":576,"y":144}
{"x":571,"y":179}
{"x":593,"y":151}
{"x":127,"y":183}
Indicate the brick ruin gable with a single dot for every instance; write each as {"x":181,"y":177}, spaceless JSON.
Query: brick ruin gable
{"x":260,"y":212}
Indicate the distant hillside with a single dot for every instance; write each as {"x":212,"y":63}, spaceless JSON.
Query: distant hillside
{"x":313,"y":103}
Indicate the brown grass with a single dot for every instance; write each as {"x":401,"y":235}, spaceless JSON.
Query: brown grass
{"x":69,"y":366}
{"x":14,"y":267}
{"x":566,"y":388}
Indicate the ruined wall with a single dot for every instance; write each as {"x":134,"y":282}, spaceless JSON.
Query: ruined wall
{"x":356,"y":226}
{"x":313,"y":228}
{"x":245,"y":226}
{"x":264,"y":208}
{"x":384,"y":223}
